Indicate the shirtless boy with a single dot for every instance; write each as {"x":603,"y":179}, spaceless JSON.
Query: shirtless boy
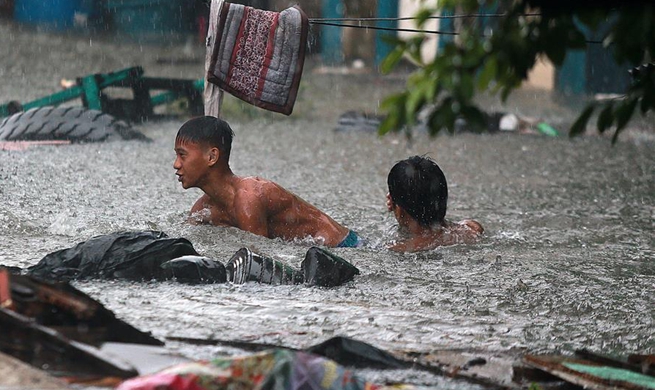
{"x":257,"y":205}
{"x":418,"y":196}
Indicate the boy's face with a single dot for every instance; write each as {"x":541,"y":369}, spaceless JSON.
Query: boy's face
{"x":190,"y":163}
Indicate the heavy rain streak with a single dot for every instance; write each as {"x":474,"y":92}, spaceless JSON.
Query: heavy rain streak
{"x":565,"y":261}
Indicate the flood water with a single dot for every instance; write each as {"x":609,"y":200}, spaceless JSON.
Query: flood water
{"x":567,"y":260}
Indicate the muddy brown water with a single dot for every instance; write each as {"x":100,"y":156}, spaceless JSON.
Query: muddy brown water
{"x":567,"y":260}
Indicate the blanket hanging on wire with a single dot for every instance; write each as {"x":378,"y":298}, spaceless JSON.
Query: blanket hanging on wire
{"x":258,"y":55}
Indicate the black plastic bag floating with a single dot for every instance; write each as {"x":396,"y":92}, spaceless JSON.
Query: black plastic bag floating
{"x":120,"y":255}
{"x":325,"y":269}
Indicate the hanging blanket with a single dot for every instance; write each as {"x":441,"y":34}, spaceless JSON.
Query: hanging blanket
{"x":258,"y":55}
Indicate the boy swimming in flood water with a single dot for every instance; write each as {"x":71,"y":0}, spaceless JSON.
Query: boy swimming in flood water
{"x":418,"y":196}
{"x":253,"y":204}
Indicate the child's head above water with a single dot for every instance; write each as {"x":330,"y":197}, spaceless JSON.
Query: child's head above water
{"x":208,"y":131}
{"x":418,"y":185}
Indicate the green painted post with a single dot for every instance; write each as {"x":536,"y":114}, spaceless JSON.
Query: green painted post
{"x":386,"y":9}
{"x":91,"y":93}
{"x":331,"y":45}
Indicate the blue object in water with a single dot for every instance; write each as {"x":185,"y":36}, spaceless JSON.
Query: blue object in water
{"x":51,"y":14}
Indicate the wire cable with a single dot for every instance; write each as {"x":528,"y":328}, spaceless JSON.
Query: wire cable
{"x":436,"y":32}
{"x":462,"y":16}
{"x":385,"y":28}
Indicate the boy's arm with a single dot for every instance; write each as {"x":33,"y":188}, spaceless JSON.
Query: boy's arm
{"x":464,"y":232}
{"x":474,"y":226}
{"x":398,"y":247}
{"x":413,"y":245}
{"x":198,"y":215}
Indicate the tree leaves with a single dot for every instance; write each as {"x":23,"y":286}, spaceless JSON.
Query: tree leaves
{"x":606,"y":118}
{"x":395,"y":120}
{"x":474,"y":63}
{"x":623,"y":113}
{"x":423,"y":15}
{"x":554,"y":47}
{"x":487,"y":74}
{"x":474,"y":117}
{"x":580,"y":125}
{"x":391,"y":60}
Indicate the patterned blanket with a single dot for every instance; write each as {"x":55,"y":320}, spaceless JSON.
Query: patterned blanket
{"x":258,"y":56}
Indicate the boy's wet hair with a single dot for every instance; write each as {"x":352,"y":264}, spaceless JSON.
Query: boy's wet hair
{"x":418,"y":185}
{"x":207,"y":130}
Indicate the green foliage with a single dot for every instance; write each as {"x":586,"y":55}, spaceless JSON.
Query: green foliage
{"x":580,"y":125}
{"x":619,"y":112}
{"x":479,"y":61}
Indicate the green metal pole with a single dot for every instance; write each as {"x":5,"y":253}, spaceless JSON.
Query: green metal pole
{"x":331,"y":36}
{"x":386,"y":9}
{"x":91,"y":93}
{"x":56,"y":98}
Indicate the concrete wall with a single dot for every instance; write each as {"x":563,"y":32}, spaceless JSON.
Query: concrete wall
{"x":542,"y":76}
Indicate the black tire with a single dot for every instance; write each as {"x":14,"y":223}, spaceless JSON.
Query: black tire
{"x":75,"y":124}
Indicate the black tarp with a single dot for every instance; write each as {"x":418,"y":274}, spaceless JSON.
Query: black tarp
{"x":121,"y":255}
{"x":152,"y":255}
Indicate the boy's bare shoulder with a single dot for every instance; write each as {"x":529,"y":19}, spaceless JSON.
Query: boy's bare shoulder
{"x":200,"y":213}
{"x":253,"y":183}
{"x":467,"y":231}
{"x":472,"y":225}
{"x":202,"y":203}
{"x":254,"y":194}
{"x":255,"y":186}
